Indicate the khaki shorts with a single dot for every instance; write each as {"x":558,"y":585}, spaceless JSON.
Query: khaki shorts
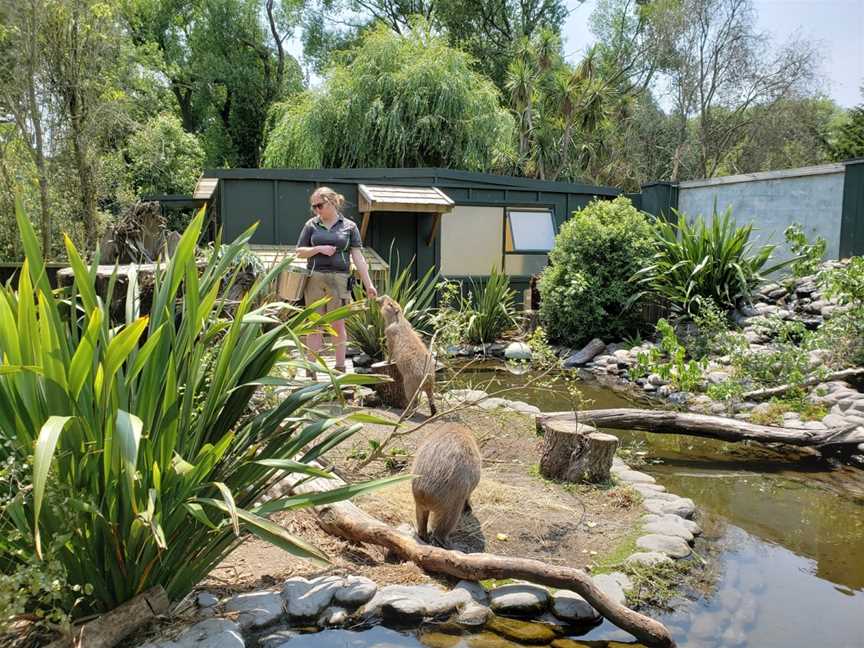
{"x":328,"y":284}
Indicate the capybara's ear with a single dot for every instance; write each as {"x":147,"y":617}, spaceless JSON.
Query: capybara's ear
{"x":380,"y":299}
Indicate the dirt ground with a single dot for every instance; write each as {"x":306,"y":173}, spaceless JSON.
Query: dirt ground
{"x":515,"y":511}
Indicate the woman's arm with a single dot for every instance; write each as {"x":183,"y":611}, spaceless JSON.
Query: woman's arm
{"x":363,"y":268}
{"x":306,"y":252}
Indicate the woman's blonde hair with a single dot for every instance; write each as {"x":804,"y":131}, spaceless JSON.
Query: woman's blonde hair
{"x":327,"y":195}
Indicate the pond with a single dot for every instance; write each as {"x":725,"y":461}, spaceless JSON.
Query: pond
{"x":789,"y":537}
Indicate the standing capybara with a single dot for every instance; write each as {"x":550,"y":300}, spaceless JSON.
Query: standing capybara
{"x":447,"y":468}
{"x":407,"y":351}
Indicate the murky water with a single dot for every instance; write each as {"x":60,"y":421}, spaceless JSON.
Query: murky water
{"x":790,"y":534}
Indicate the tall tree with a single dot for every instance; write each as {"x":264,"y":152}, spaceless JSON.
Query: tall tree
{"x":397,"y":101}
{"x":719,"y":67}
{"x":22,"y":91}
{"x":847,"y":138}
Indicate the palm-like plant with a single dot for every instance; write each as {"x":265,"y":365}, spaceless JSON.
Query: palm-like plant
{"x":147,"y":462}
{"x":715,"y":261}
{"x":491,"y":309}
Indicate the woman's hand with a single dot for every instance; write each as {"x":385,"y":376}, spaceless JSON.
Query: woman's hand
{"x":371,"y":292}
{"x":326,"y":250}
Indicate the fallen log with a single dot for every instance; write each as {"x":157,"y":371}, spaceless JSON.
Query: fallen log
{"x":711,"y":427}
{"x":771,"y":392}
{"x":346,"y":520}
{"x":113,"y":627}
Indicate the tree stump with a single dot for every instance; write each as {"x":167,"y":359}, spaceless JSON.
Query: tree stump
{"x":390,"y":393}
{"x":576,"y":452}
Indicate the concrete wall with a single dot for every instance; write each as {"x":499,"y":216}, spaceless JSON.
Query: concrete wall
{"x":773,"y":200}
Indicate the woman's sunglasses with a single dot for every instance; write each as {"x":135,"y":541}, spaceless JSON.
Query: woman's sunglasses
{"x":317,"y":206}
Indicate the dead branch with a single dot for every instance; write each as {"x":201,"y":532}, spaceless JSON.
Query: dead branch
{"x":346,"y":520}
{"x":712,"y":427}
{"x":771,"y":392}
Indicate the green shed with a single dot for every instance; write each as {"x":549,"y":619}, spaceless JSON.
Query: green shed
{"x":483,"y":220}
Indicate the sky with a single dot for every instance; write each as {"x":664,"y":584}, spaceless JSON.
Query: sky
{"x":837,"y":26}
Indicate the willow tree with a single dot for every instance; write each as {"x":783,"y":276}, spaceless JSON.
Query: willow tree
{"x":394,"y":101}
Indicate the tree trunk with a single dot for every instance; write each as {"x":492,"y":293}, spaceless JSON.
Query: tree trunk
{"x":38,"y":147}
{"x":113,"y":627}
{"x":770,"y":392}
{"x":345,"y":520}
{"x":391,"y":393}
{"x":574,"y":452}
{"x":712,"y":427}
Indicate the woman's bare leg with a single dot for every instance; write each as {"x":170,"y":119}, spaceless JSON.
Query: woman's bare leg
{"x":341,"y":340}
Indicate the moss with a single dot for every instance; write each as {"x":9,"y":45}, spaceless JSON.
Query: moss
{"x":614,"y":560}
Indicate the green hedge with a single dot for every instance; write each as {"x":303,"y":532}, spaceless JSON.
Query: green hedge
{"x":586,"y":287}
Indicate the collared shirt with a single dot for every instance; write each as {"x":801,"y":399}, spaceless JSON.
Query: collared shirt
{"x":342,"y":234}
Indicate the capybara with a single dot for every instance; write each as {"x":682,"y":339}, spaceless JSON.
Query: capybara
{"x":407,"y":351}
{"x":447,"y":468}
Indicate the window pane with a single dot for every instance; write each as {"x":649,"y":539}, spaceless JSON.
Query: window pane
{"x":531,"y":230}
{"x":471,"y":240}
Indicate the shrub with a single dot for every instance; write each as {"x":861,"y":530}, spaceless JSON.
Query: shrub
{"x":585,"y":291}
{"x":491,"y":310}
{"x":715,"y":261}
{"x":145,"y":460}
{"x":809,"y":255}
{"x":366,"y":327}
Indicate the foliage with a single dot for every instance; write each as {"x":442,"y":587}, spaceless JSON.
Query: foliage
{"x":843,"y":333}
{"x":586,"y":286}
{"x":713,"y":336}
{"x":809,"y":255}
{"x":366,"y":327}
{"x":793,"y":402}
{"x":669,"y":361}
{"x":164,"y":159}
{"x":845,"y":283}
{"x":396,"y":101}
{"x":785,"y":362}
{"x":847,"y":138}
{"x":542,"y":353}
{"x":480,"y":314}
{"x":145,"y":460}
{"x":491,"y":310}
{"x":715,"y":261}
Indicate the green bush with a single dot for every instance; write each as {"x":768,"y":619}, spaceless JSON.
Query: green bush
{"x":715,"y":261}
{"x":586,"y":289}
{"x":144,"y":460}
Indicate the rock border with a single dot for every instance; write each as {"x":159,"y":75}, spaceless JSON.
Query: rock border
{"x":516,"y":610}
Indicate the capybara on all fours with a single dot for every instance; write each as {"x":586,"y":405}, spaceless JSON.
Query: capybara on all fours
{"x":407,"y":351}
{"x":447,"y":468}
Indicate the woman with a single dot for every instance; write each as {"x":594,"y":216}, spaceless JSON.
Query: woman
{"x":325,"y":242}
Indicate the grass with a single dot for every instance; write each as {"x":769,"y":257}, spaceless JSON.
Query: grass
{"x":773,"y":415}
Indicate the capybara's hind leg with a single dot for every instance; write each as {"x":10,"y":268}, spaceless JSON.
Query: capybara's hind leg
{"x":446,"y":523}
{"x":422,"y":521}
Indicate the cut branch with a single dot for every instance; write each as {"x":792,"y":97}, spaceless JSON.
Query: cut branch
{"x":346,"y":520}
{"x":712,"y":427}
{"x":771,"y":392}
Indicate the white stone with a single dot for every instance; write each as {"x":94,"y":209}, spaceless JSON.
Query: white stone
{"x":518,"y":351}
{"x":414,"y":602}
{"x":256,"y":609}
{"x":690,"y":525}
{"x":569,"y":606}
{"x":683,"y":507}
{"x":466,"y":395}
{"x":355,"y":591}
{"x":524,"y":408}
{"x":648,"y":558}
{"x":666,"y":527}
{"x":494,"y":403}
{"x":306,"y":599}
{"x":212,"y":633}
{"x":518,"y":599}
{"x":635,"y":477}
{"x":672,"y":546}
{"x":610,"y":585}
{"x":332,"y":617}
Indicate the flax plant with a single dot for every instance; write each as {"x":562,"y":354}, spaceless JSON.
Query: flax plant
{"x":147,"y":464}
{"x":713,"y":260}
